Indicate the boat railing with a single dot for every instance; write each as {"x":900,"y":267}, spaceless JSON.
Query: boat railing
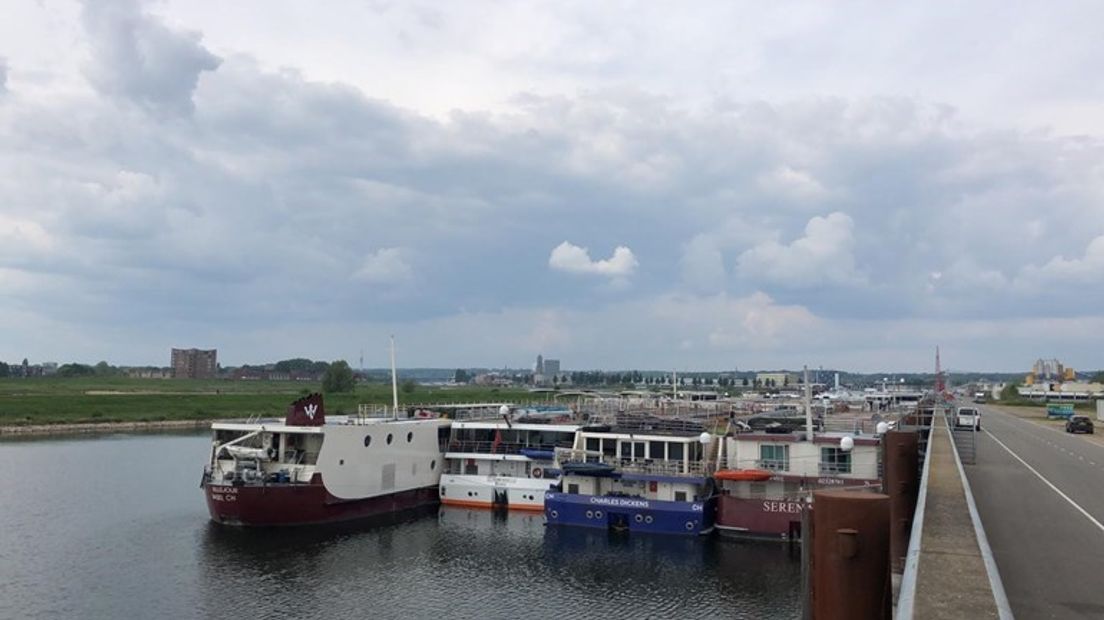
{"x":773,"y":464}
{"x":495,"y":447}
{"x":638,"y":465}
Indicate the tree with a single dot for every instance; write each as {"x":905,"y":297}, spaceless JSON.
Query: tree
{"x":1098,"y":377}
{"x":460,"y":376}
{"x":338,"y":378}
{"x":1010,"y":392}
{"x":409,"y":386}
{"x":103,"y":369}
{"x":5,"y":370}
{"x":75,"y":370}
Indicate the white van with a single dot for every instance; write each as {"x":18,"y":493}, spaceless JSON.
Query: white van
{"x":968,"y":417}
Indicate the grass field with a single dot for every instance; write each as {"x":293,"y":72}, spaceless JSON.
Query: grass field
{"x":116,"y":399}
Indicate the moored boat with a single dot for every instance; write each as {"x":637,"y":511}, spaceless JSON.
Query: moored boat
{"x":639,"y":478}
{"x":307,"y":469}
{"x":767,"y":478}
{"x":500,"y":463}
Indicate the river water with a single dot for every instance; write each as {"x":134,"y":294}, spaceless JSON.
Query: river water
{"x":116,"y":527}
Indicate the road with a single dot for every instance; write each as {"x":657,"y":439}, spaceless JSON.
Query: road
{"x":1049,"y":549}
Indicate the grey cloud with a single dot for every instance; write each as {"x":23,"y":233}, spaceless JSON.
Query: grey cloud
{"x":282,"y":202}
{"x":139,"y":59}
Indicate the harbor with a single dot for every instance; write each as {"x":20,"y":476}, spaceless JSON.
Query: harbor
{"x":129,"y":532}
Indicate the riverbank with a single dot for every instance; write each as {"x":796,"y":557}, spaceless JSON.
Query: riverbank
{"x":114,"y":403}
{"x":27,"y":430}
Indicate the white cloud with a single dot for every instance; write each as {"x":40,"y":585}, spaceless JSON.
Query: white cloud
{"x":385,"y":266}
{"x":574,"y":259}
{"x":792,"y":184}
{"x":1088,"y":269}
{"x":824,"y":254}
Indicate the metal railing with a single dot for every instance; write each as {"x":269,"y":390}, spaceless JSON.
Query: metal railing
{"x":638,"y":465}
{"x":498,"y":447}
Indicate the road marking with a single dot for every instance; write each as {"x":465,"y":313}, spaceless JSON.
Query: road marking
{"x":1088,"y":516}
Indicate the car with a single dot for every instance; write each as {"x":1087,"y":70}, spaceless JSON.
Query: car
{"x":1079,"y":424}
{"x":968,"y":417}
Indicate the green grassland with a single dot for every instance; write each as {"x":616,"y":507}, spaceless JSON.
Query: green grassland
{"x":116,"y":399}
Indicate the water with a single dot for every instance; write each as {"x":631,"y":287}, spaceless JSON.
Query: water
{"x":116,"y":527}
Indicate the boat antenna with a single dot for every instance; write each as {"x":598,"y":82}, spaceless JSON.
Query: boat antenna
{"x":808,"y":408}
{"x":394,"y":382}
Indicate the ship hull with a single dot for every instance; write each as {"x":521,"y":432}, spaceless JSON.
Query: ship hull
{"x":630,"y":515}
{"x":277,"y":505}
{"x":775,"y":519}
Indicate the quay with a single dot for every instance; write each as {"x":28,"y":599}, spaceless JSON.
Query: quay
{"x":948,"y":572}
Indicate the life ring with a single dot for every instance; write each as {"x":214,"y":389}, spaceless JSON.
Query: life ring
{"x":537,"y":473}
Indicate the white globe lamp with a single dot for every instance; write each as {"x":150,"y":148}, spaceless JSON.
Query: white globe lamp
{"x":705,"y":438}
{"x":846,"y":443}
{"x":881,"y":428}
{"x":504,"y":410}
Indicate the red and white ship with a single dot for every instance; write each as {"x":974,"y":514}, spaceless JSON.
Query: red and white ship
{"x":766,"y":478}
{"x":306,"y":469}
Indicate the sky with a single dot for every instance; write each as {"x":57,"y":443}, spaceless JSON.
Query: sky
{"x":618,"y":185}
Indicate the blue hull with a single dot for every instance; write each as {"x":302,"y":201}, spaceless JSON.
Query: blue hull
{"x":630,"y":514}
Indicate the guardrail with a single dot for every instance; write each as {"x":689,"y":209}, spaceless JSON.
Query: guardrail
{"x":638,"y":465}
{"x":906,"y":599}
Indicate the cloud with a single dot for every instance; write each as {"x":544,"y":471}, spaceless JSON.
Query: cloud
{"x":137,"y":58}
{"x":574,"y":259}
{"x":3,"y":75}
{"x":385,"y":266}
{"x":823,"y":255}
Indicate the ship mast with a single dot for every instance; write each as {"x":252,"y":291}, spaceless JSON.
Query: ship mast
{"x":808,"y":408}
{"x":394,"y":383}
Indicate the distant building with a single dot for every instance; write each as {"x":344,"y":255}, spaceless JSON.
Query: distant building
{"x":776,"y":379}
{"x":195,"y":363}
{"x":551,"y":368}
{"x":1049,"y":370}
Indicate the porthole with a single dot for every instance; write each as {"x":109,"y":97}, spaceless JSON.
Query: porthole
{"x":555,"y":515}
{"x":590,"y":514}
{"x":648,"y":519}
{"x":341,"y":462}
{"x":689,"y":526}
{"x":432,"y":465}
{"x":639,"y":518}
{"x":389,"y":438}
{"x":442,"y":491}
{"x":367,"y":440}
{"x":597,"y":514}
{"x":409,"y":437}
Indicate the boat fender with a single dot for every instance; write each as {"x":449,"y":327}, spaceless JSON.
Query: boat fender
{"x":537,"y":473}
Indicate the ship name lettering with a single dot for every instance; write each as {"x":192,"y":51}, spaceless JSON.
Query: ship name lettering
{"x":619,"y":501}
{"x":785,"y":507}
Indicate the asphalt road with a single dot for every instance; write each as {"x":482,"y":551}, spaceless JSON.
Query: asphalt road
{"x":1050,"y":553}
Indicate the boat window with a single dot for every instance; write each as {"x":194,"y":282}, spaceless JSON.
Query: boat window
{"x":443,"y":437}
{"x":593,"y":444}
{"x":680,"y":496}
{"x":389,"y":438}
{"x":573,"y":488}
{"x":609,"y":447}
{"x":674,"y":451}
{"x":834,"y":461}
{"x":657,"y":450}
{"x":774,"y":457}
{"x":433,"y":465}
{"x":625,"y":449}
{"x":409,"y":437}
{"x":367,"y":440}
{"x":638,"y":449}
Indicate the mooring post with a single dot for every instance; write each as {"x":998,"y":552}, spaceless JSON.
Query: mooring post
{"x":901,"y":483}
{"x":850,"y":555}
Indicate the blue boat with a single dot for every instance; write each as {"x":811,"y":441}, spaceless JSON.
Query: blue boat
{"x":656,"y":482}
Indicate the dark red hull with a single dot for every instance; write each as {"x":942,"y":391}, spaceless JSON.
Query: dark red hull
{"x":759,"y":517}
{"x":304,"y":504}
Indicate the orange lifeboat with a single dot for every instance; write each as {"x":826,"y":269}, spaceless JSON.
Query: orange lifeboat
{"x":744,"y":475}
